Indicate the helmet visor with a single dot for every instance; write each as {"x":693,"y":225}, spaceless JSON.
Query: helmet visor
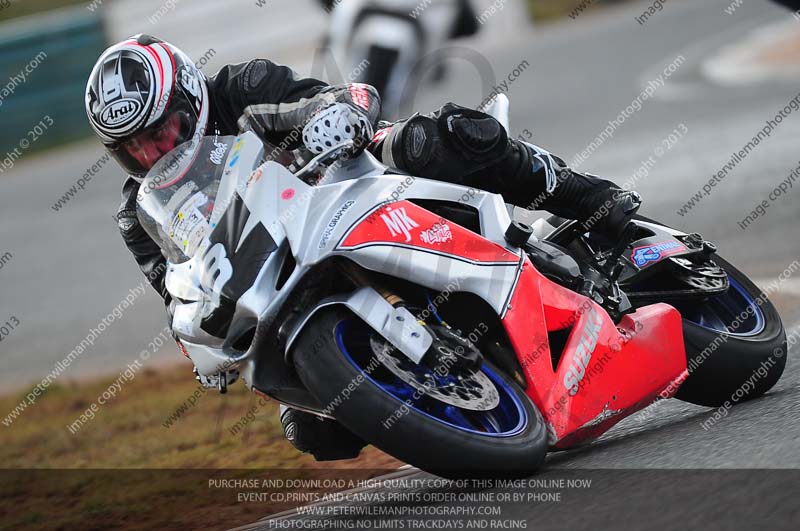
{"x":139,"y":153}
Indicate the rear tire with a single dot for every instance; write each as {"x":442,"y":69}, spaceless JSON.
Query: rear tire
{"x":739,"y":368}
{"x":416,"y":438}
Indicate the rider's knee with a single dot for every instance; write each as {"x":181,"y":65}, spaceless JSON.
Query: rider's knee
{"x":476,"y":135}
{"x":447,"y":144}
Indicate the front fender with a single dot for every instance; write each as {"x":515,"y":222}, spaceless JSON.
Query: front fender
{"x":396,"y":325}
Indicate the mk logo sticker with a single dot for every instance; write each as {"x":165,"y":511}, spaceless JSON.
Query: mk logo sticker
{"x":398,"y":222}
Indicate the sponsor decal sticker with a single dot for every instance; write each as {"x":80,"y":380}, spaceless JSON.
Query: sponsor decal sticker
{"x":237,"y":147}
{"x":287,"y":194}
{"x":255,"y":176}
{"x":398,"y":222}
{"x":188,"y":228}
{"x":655,"y":253}
{"x":218,"y":153}
{"x":583,"y":353}
{"x":331,"y":226}
{"x":438,"y":234}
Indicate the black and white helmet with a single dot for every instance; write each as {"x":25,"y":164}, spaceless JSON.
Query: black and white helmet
{"x":143,"y":98}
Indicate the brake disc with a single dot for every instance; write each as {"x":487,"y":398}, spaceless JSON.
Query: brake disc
{"x":697,"y":281}
{"x":471,"y":390}
{"x":707,"y":277}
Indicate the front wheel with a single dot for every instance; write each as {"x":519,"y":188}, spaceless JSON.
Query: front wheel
{"x":442,"y":427}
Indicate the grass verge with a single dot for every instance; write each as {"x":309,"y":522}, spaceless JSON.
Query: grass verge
{"x":550,"y":10}
{"x":18,"y":8}
{"x":130,"y":460}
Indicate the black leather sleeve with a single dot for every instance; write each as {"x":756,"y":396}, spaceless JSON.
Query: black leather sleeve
{"x":144,"y":249}
{"x":274,"y":102}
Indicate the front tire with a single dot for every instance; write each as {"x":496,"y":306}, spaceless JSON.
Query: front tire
{"x":328,"y":368}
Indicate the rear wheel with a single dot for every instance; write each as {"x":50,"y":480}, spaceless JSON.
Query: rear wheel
{"x":473,"y":423}
{"x":735,"y":341}
{"x":735,"y":344}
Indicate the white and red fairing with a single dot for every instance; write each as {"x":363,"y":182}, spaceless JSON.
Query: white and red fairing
{"x":606,"y":371}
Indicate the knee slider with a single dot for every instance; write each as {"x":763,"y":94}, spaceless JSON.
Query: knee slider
{"x":477,"y":136}
{"x":448,"y":144}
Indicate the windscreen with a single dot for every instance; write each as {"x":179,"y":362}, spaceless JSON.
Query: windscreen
{"x":184,"y":195}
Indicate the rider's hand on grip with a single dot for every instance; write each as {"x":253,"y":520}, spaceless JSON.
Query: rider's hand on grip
{"x":335,"y":125}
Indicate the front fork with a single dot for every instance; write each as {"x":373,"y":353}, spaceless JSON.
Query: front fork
{"x":444,"y":337}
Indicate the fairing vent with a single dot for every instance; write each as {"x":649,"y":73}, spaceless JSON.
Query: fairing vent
{"x":288,"y":267}
{"x":558,"y":341}
{"x":242,"y":344}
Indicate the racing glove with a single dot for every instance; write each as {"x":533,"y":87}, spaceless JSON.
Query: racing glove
{"x":336,"y":124}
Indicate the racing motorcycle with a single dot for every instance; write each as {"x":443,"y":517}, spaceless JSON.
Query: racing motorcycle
{"x":427,"y":321}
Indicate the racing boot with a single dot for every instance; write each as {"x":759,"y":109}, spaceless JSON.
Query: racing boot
{"x":598,"y":204}
{"x":325,"y":439}
{"x":534,"y":179}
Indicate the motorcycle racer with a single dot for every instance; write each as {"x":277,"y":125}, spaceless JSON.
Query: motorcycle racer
{"x":144,"y":97}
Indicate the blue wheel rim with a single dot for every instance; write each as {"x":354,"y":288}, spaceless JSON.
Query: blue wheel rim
{"x":721,"y":313}
{"x":509,"y":418}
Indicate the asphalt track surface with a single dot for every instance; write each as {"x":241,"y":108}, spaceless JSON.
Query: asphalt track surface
{"x":70,"y":269}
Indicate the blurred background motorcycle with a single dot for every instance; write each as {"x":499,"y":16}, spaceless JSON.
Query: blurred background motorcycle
{"x":393,"y":44}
